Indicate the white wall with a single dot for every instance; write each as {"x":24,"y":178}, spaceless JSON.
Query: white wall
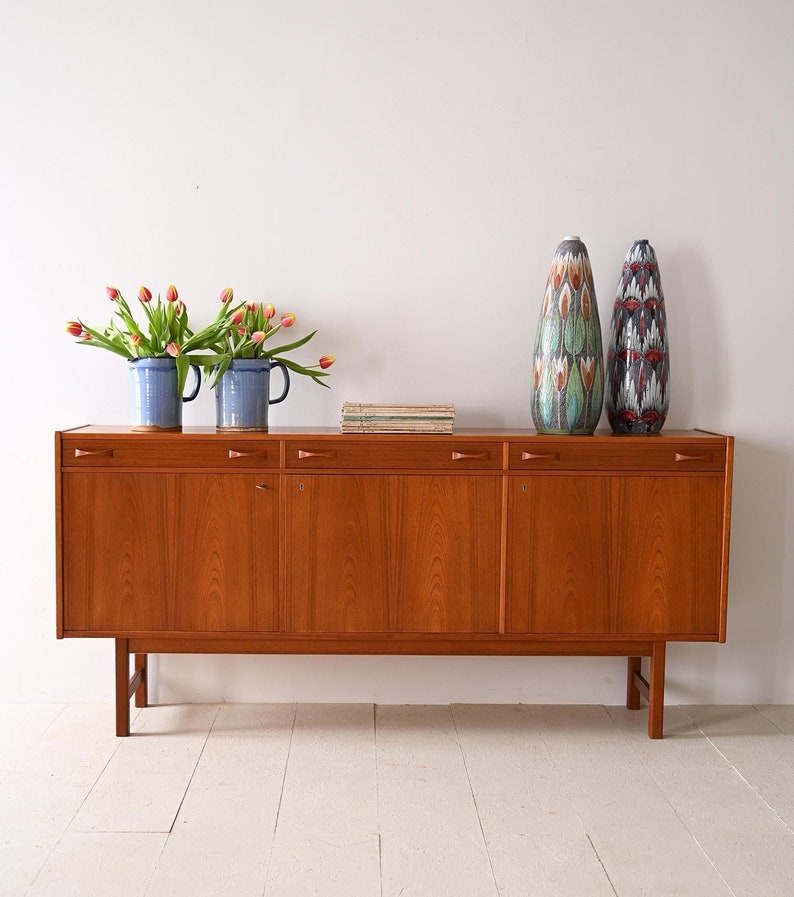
{"x":399,"y":174}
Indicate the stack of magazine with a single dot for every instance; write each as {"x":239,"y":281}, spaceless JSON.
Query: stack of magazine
{"x":362,"y":417}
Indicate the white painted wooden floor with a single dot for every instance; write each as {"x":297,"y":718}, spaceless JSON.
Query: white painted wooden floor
{"x":277,"y":800}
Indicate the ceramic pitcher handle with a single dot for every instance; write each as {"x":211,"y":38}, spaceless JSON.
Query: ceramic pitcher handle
{"x":197,"y":372}
{"x":285,"y":372}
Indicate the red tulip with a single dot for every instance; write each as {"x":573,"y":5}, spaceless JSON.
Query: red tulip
{"x":288,"y":319}
{"x":85,"y":336}
{"x":179,"y":307}
{"x":242,"y":331}
{"x":171,"y":294}
{"x":144,"y":294}
{"x":112,"y":292}
{"x":227,"y":295}
{"x":268,"y":311}
{"x":173,"y":349}
{"x":74,"y":328}
{"x":258,"y":336}
{"x":237,"y":317}
{"x":326,"y":361}
{"x":135,"y":339}
{"x":252,"y":306}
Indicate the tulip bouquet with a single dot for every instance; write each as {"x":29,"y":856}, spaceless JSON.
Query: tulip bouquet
{"x":166,"y":332}
{"x":243,"y":330}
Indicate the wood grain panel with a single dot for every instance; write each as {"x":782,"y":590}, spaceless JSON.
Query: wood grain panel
{"x":652,"y":453}
{"x":446,"y":532}
{"x":668,"y":554}
{"x":223,"y":567}
{"x":148,"y":551}
{"x":558,"y":569}
{"x":353,"y":453}
{"x":337,"y":553}
{"x":114,"y":550}
{"x":229,"y":452}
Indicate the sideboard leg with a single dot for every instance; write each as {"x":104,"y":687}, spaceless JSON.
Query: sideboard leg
{"x":632,"y":692}
{"x":656,"y":691}
{"x":142,"y":691}
{"x":122,"y":687}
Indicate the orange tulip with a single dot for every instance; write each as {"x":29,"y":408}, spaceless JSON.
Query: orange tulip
{"x":268,"y":311}
{"x":575,"y":273}
{"x":227,"y":295}
{"x":258,"y":336}
{"x":326,"y":361}
{"x":287,"y":320}
{"x":135,"y":339}
{"x":586,"y":307}
{"x":144,"y":294}
{"x":587,"y":370}
{"x":171,"y":294}
{"x":559,"y":372}
{"x":173,"y":349}
{"x":565,"y":301}
{"x":237,"y":317}
{"x":74,"y":328}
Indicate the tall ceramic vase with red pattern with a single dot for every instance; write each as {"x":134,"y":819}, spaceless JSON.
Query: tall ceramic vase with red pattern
{"x":638,"y":356}
{"x":568,"y":371}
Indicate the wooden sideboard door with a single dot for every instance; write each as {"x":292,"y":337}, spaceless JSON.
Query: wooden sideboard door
{"x":668,"y":554}
{"x":388,"y":553}
{"x":620,"y":555}
{"x":558,"y":555}
{"x":156,"y":551}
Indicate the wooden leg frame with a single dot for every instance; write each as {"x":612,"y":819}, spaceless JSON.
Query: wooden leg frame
{"x":637,"y":685}
{"x":127,"y":686}
{"x":652,"y":691}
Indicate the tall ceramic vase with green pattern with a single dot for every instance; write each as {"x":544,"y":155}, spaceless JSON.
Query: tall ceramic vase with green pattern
{"x":568,"y":370}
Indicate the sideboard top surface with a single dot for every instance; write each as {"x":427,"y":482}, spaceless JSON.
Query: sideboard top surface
{"x":276,"y":433}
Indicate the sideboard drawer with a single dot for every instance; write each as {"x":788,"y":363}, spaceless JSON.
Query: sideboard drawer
{"x":352,"y":453}
{"x":180,"y":452}
{"x":646,"y":453}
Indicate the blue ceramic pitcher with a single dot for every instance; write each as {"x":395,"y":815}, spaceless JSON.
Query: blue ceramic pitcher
{"x":154,"y":397}
{"x":242,"y":397}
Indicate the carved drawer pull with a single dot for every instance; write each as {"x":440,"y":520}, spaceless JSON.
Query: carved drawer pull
{"x":262,"y":486}
{"x":98,"y":453}
{"x":303,"y":454}
{"x":235,"y":454}
{"x":462,"y":456}
{"x":531,"y":456}
{"x":681,"y":457}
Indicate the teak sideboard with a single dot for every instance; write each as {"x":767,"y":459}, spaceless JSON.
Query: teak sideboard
{"x":490,"y":542}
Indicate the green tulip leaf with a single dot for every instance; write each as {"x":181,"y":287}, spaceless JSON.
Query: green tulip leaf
{"x":546,"y":395}
{"x":574,"y":397}
{"x":598,"y":388}
{"x":550,"y":338}
{"x":574,"y":334}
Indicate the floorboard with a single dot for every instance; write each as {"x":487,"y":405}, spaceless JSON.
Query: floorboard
{"x":279,"y":800}
{"x":326,"y":840}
